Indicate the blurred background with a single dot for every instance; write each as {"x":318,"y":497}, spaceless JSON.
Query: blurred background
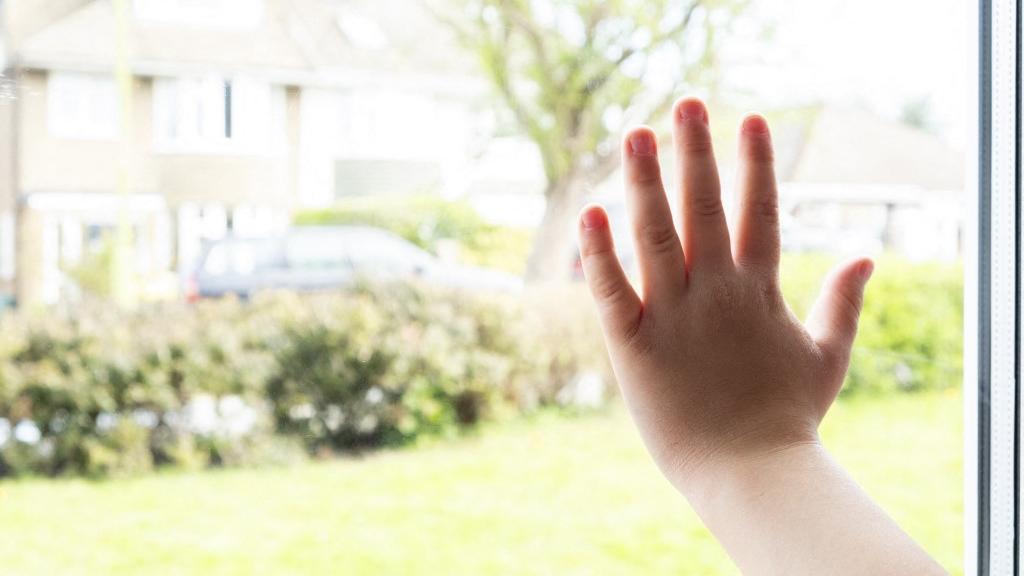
{"x":291,"y":286}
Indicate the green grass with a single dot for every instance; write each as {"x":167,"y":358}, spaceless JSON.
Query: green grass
{"x":548,"y":496}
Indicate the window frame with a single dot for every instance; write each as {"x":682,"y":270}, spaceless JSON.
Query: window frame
{"x":993,"y":310}
{"x":82,"y":106}
{"x":212,"y":114}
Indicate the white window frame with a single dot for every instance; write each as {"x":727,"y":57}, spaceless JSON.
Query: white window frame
{"x":993,"y":310}
{"x":82,"y":106}
{"x":190,"y":116}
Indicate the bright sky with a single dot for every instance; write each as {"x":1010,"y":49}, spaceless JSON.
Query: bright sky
{"x":879,"y":53}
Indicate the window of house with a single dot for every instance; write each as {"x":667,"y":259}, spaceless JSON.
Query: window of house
{"x":7,"y":245}
{"x":216,"y":114}
{"x":361,"y":32}
{"x":82,"y":106}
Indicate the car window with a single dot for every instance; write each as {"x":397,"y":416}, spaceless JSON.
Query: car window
{"x":239,"y":258}
{"x":216,"y":263}
{"x":316,"y":250}
{"x":381,"y":251}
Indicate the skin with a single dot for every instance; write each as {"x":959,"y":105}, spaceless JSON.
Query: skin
{"x":726,"y":386}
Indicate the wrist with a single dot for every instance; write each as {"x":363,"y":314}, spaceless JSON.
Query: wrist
{"x":770,"y":509}
{"x":742,"y":498}
{"x":735,"y":461}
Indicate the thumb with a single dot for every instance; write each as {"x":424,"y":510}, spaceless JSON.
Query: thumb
{"x":832,"y":322}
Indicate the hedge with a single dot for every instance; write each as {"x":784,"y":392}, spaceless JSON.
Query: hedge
{"x":91,"y":391}
{"x":911,"y":328}
{"x":94,"y":392}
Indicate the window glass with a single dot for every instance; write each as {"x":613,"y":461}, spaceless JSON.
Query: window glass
{"x":243,"y":259}
{"x":376,"y":251}
{"x":245,"y":233}
{"x":82,"y":106}
{"x":216,"y":114}
{"x":318,"y":251}
{"x":217,"y":260}
{"x":240,"y":257}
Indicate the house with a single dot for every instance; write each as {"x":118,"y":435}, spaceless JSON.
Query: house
{"x":850,"y":181}
{"x":863,"y":179}
{"x":231,"y":115}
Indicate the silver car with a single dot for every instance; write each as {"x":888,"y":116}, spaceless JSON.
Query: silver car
{"x":315,"y":258}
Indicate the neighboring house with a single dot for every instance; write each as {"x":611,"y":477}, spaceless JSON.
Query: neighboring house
{"x":242,"y":111}
{"x":858,"y":174}
{"x":852,"y":182}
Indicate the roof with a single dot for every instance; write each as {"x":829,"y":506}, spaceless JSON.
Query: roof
{"x":22,"y":19}
{"x":840,"y":150}
{"x":852,"y":145}
{"x":375,"y":34}
{"x":86,"y":39}
{"x":295,"y":41}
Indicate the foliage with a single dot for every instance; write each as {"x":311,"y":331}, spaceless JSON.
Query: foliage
{"x":429,"y":222}
{"x":917,"y":113}
{"x":574,"y":75}
{"x":225,"y":383}
{"x":559,"y":66}
{"x":574,"y":495}
{"x":911,"y":327}
{"x":95,"y":273}
{"x":104,"y":392}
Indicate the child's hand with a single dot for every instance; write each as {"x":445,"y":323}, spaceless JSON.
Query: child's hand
{"x":712,"y":363}
{"x":725,"y":384}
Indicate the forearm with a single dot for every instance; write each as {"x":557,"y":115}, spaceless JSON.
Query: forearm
{"x":796,"y":511}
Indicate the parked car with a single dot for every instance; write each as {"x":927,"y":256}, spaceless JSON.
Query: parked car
{"x":314,"y":258}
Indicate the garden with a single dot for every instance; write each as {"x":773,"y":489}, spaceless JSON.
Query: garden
{"x":401,"y":425}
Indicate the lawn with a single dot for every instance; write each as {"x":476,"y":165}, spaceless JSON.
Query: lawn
{"x":552,"y":495}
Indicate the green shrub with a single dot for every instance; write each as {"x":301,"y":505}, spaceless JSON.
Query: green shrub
{"x":911,"y":327}
{"x":395,"y":362}
{"x":101,"y":387}
{"x":94,"y":274}
{"x":226,"y":383}
{"x":124,"y":449}
{"x":114,"y":393}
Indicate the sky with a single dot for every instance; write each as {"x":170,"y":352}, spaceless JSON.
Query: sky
{"x":877,"y":53}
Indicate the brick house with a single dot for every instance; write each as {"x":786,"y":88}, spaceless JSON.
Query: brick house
{"x":241,"y":112}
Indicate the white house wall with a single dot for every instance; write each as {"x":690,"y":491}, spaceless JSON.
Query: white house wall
{"x":381,"y":124}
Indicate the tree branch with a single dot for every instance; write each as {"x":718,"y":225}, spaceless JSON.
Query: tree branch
{"x":604,"y":76}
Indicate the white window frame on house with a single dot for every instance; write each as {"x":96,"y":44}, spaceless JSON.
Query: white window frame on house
{"x":218,"y":115}
{"x":82,"y":106}
{"x":993,"y":308}
{"x":7,"y":245}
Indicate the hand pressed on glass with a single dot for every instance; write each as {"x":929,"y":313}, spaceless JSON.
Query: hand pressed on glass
{"x":726,"y":386}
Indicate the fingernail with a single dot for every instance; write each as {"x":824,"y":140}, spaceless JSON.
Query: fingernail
{"x":693,"y":109}
{"x":866,"y":270}
{"x":642,"y":143}
{"x":592,"y":219}
{"x":755,"y":124}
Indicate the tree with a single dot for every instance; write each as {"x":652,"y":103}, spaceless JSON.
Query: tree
{"x":574,"y":73}
{"x":917,"y":113}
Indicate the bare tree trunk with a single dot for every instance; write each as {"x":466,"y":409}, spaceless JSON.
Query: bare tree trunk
{"x":551,"y":255}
